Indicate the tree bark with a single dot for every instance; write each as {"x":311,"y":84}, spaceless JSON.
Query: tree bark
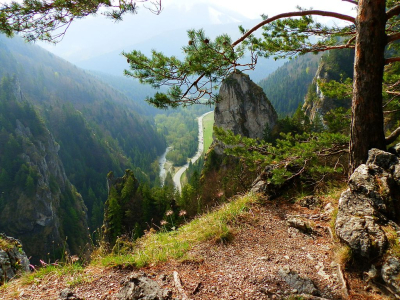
{"x":367,"y":130}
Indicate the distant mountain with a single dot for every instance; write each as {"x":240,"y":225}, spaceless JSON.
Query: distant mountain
{"x":98,"y":128}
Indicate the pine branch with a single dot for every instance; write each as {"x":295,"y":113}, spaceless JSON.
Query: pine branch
{"x":393,"y":37}
{"x":294,"y":14}
{"x":351,"y":1}
{"x":393,"y":136}
{"x":393,"y":12}
{"x":391,"y":60}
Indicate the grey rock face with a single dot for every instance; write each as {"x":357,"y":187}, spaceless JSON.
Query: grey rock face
{"x":391,"y":273}
{"x":12,"y":258}
{"x":371,"y":200}
{"x":140,"y":287}
{"x":318,"y":107}
{"x":302,"y":285}
{"x":244,"y":108}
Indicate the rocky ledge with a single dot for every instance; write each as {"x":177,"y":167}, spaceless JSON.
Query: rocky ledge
{"x":13,"y":259}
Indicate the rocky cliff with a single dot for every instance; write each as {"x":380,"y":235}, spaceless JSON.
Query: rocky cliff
{"x":336,"y":65}
{"x":38,"y":204}
{"x":316,"y":104}
{"x":243,"y":107}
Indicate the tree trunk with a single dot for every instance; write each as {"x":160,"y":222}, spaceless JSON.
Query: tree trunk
{"x":367,"y":129}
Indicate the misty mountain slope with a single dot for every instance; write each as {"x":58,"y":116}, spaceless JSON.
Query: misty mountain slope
{"x":133,"y":90}
{"x":288,"y":85}
{"x":96,"y":126}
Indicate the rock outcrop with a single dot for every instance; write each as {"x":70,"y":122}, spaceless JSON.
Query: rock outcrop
{"x":369,"y":212}
{"x":317,"y":104}
{"x":333,"y":66}
{"x":391,"y":274}
{"x":371,"y":200}
{"x":296,"y":282}
{"x":13,"y":259}
{"x":243,"y":107}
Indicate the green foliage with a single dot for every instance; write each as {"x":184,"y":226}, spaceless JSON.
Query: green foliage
{"x":53,"y":270}
{"x":299,"y":123}
{"x":180,"y":128}
{"x":338,"y":120}
{"x":289,"y":36}
{"x":337,"y":76}
{"x":132,"y":207}
{"x":305,"y":155}
{"x":211,"y":60}
{"x":96,"y":127}
{"x":71,"y":216}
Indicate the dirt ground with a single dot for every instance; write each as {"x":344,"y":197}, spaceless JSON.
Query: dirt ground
{"x":247,"y":267}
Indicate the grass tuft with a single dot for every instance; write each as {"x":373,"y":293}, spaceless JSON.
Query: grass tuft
{"x":343,"y":255}
{"x":51,"y":271}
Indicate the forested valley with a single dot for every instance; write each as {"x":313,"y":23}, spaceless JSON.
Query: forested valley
{"x":272,"y":208}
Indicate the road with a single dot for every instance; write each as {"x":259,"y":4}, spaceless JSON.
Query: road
{"x":200,"y":149}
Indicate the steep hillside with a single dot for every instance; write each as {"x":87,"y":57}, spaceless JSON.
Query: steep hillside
{"x":98,"y":128}
{"x":287,"y":86}
{"x":336,"y":65}
{"x":38,"y":204}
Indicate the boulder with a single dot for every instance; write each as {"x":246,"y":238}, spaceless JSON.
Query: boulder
{"x":67,"y":294}
{"x":296,"y":282}
{"x":140,"y":287}
{"x":310,"y":202}
{"x":299,"y":223}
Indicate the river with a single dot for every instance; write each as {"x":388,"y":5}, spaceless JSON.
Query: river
{"x":162,"y":160}
{"x":200,"y":149}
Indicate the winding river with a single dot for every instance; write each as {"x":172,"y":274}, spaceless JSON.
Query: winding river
{"x":162,"y":160}
{"x":200,"y":149}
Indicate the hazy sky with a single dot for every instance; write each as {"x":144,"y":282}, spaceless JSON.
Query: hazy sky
{"x":95,"y":36}
{"x":254,"y":8}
